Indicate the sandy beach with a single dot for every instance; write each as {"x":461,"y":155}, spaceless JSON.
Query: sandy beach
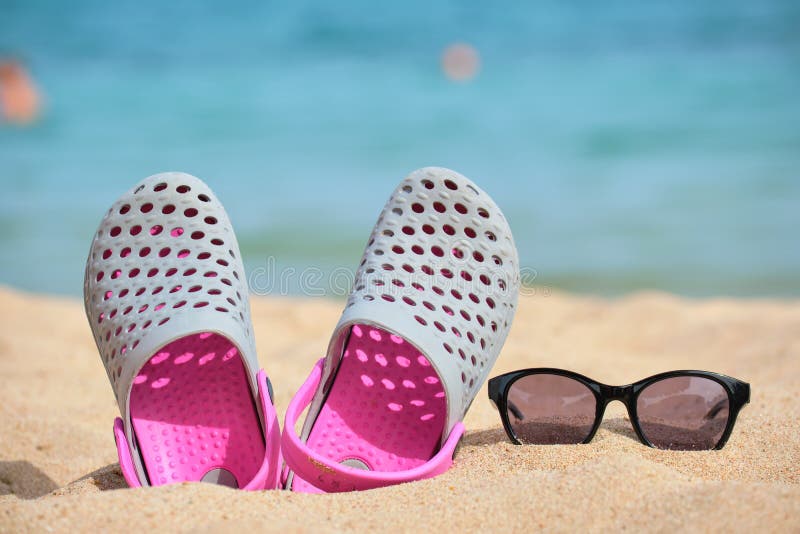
{"x":59,"y":472}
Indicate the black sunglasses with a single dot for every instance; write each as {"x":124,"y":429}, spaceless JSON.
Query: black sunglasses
{"x":679,"y":410}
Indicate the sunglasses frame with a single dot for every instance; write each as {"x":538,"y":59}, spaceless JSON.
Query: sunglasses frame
{"x":738,"y":395}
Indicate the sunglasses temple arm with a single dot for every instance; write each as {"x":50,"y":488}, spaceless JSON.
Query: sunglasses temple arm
{"x":514,"y":410}
{"x":716,"y":409}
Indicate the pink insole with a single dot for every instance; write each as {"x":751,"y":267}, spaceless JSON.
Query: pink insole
{"x":193,"y":413}
{"x":385,"y":410}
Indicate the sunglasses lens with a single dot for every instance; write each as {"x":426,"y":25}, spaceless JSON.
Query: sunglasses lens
{"x":550,"y":409}
{"x":686,"y":413}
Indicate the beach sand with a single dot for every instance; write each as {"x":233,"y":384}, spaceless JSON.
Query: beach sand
{"x":59,"y":472}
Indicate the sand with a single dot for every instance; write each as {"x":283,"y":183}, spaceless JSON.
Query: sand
{"x":59,"y":472}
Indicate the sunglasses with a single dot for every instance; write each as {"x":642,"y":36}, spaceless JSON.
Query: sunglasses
{"x":678,"y":410}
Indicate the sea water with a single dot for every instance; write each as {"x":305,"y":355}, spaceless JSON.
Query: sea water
{"x":632,"y":145}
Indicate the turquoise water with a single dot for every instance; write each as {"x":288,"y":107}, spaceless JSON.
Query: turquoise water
{"x":631,"y":145}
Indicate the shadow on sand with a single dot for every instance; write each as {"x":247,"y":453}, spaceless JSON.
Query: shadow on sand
{"x":25,"y":480}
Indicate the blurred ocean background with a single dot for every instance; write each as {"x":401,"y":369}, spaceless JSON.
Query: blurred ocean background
{"x":632,"y":145}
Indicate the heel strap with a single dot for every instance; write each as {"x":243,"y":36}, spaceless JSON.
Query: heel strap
{"x":268,"y":474}
{"x":333,"y":477}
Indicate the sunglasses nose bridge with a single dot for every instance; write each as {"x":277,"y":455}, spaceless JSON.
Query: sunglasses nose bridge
{"x":612,"y":393}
